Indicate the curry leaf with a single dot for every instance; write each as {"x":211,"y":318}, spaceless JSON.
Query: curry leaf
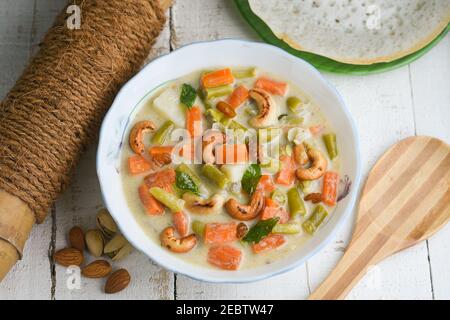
{"x":260,"y":230}
{"x":184,"y":182}
{"x":251,"y":178}
{"x":188,"y":95}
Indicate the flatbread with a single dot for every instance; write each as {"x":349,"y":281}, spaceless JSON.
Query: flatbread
{"x":355,"y":31}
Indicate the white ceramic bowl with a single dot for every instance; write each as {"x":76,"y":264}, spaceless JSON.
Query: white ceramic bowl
{"x":206,"y":55}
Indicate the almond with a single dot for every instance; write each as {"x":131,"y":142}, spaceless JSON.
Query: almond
{"x":69,"y":257}
{"x":96,"y":269}
{"x":76,"y":238}
{"x":314,"y":197}
{"x":117,"y":281}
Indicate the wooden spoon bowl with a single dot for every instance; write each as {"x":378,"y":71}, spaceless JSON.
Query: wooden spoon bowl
{"x":406,"y":199}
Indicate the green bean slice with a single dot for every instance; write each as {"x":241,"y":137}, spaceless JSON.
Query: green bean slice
{"x":168,"y":199}
{"x":216,"y":176}
{"x":198,"y":227}
{"x":296,"y":204}
{"x":217,"y":92}
{"x":315,"y":220}
{"x":287,"y":228}
{"x":163,"y":133}
{"x":330,"y":142}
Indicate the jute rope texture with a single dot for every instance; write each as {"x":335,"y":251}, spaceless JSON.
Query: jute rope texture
{"x":55,"y":108}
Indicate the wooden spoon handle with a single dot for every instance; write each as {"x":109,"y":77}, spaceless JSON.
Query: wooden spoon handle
{"x":341,"y":280}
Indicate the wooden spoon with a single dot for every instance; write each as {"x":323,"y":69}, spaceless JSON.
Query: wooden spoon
{"x":406,"y":199}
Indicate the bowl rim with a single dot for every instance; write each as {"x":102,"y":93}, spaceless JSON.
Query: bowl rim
{"x":205,"y":278}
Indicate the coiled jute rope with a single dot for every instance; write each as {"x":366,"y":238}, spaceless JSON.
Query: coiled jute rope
{"x":56,"y":106}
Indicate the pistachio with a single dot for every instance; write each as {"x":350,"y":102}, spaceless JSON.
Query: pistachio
{"x":117,"y":248}
{"x":105,"y":223}
{"x":94,"y":242}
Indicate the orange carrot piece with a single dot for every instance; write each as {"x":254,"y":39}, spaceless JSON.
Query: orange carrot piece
{"x":238,"y":97}
{"x":316,"y":129}
{"x":271,"y":86}
{"x":138,"y":164}
{"x":266,"y":183}
{"x":225,"y":257}
{"x":181,"y":223}
{"x":194,"y":121}
{"x":272,"y":241}
{"x":158,"y":150}
{"x":231,"y":153}
{"x":152,"y":206}
{"x":330,"y":184}
{"x":163,"y":179}
{"x":217,"y":233}
{"x":286,"y":175}
{"x":273,"y":210}
{"x":217,"y":78}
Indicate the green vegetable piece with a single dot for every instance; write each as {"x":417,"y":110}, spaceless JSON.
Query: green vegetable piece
{"x":293,"y":120}
{"x":202,"y":96}
{"x":188,"y":95}
{"x":315,"y":220}
{"x":163,"y":133}
{"x":269,"y":134}
{"x":168,"y":199}
{"x":186,"y":183}
{"x":287,"y":228}
{"x":294,"y":104}
{"x":296,"y":204}
{"x":330,"y":142}
{"x":260,"y":230}
{"x":198,"y":227}
{"x":244,"y":73}
{"x":251,"y":178}
{"x":272,"y":166}
{"x":236,"y":125}
{"x":197,"y":180}
{"x":215,"y":115}
{"x":211,"y":172}
{"x":279,"y":196}
{"x":304,"y":185}
{"x":217,"y":92}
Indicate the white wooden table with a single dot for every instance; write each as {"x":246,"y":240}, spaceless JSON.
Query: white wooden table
{"x":387,"y":107}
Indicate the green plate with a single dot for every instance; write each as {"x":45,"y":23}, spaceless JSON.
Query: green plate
{"x":324,"y":63}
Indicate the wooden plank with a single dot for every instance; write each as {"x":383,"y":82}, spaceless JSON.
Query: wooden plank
{"x":382,"y":108}
{"x":79,"y":205}
{"x":430,"y":78}
{"x":198,"y":20}
{"x":292,"y":285}
{"x":30,"y":278}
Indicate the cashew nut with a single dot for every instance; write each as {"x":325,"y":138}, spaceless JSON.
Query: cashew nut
{"x":300,"y":155}
{"x":246,"y":212}
{"x":211,"y":140}
{"x":137,"y":135}
{"x":181,"y":245}
{"x":196,"y":204}
{"x":318,"y":166}
{"x":267,"y":109}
